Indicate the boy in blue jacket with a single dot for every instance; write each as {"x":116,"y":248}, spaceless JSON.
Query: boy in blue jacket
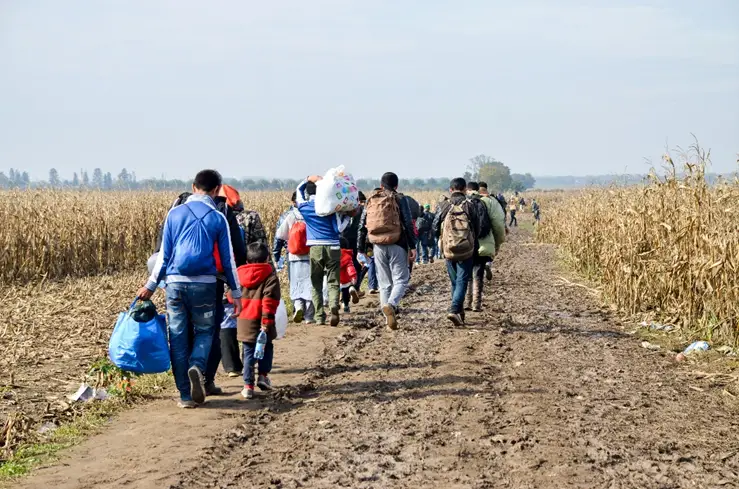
{"x":324,"y":239}
{"x":192,"y":231}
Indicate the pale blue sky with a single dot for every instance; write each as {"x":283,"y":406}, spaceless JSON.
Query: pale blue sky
{"x":290,"y":87}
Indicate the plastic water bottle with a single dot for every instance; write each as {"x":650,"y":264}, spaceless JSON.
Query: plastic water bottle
{"x":261,"y":344}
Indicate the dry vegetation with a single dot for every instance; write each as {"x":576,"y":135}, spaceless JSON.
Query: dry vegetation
{"x":668,"y":249}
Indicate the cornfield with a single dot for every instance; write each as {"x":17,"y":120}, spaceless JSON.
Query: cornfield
{"x":58,"y":234}
{"x":667,"y":250}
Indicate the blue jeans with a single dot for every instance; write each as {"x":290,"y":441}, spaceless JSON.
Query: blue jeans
{"x":191,"y":314}
{"x":372,"y":275}
{"x":265,"y":364}
{"x":214,"y":359}
{"x":460,"y":272}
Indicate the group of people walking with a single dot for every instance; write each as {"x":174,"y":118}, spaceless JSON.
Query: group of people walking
{"x":222,"y":288}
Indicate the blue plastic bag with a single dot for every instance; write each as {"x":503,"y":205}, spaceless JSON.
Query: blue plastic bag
{"x":140,"y":348}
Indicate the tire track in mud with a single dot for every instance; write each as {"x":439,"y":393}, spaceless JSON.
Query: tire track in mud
{"x":543,"y":390}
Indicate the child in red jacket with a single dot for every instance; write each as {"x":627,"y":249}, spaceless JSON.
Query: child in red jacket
{"x":348,"y":276}
{"x":260,"y":297}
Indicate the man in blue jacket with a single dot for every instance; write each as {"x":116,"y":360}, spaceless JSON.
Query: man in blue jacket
{"x":192,"y":231}
{"x":324,"y":239}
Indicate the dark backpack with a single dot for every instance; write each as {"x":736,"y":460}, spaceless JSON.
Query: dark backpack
{"x":423,"y":225}
{"x":484,"y":218}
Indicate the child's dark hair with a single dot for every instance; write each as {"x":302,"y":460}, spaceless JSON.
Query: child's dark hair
{"x":362,"y":197}
{"x":294,"y":197}
{"x":257,"y":253}
{"x":483,"y":184}
{"x":458,"y":184}
{"x":344,"y":243}
{"x":310,"y":188}
{"x":473,"y":186}
{"x":207,"y":180}
{"x":390,"y":181}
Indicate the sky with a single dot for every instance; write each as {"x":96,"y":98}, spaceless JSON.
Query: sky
{"x":294,"y":87}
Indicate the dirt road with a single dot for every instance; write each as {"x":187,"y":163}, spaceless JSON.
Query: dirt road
{"x":544,"y":390}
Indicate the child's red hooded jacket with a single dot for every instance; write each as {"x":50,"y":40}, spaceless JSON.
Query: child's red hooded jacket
{"x":260,"y":296}
{"x":348,"y":271}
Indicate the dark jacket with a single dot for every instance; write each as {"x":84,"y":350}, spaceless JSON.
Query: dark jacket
{"x":469,"y":208}
{"x":260,"y":298}
{"x":351,"y":233}
{"x":407,"y":235}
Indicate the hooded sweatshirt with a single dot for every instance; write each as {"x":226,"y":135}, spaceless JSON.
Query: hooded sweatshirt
{"x":348,"y":271}
{"x":260,"y":298}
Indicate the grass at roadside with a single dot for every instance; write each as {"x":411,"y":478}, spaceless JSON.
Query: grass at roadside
{"x":44,"y":448}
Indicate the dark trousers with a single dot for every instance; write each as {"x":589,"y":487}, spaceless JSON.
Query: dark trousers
{"x":265,"y":364}
{"x":230,"y":353}
{"x":214,"y":358}
{"x":459,"y":274}
{"x":345,"y":296}
{"x":372,"y":275}
{"x":514,"y":221}
{"x":361,"y":272}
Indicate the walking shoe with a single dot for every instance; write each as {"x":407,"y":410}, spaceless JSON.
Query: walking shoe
{"x":197,"y":384}
{"x":488,"y":273}
{"x":186,"y":404}
{"x":211,"y":389}
{"x":431,"y":260}
{"x":310,"y":321}
{"x":455,"y":318}
{"x":264,"y":383}
{"x":347,"y":309}
{"x":389,"y":311}
{"x":476,"y":309}
{"x":354,"y":294}
{"x":322,"y":320}
{"x":361,"y":294}
{"x":248,"y":392}
{"x":298,"y":316}
{"x":233,"y":375}
{"x":374,"y":291}
{"x":335,"y":316}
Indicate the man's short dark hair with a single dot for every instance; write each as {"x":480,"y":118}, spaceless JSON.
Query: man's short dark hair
{"x":310,"y":188}
{"x":207,"y":180}
{"x":458,"y":184}
{"x":473,"y":186}
{"x":362,"y":197}
{"x":257,"y":252}
{"x":294,"y":196}
{"x":390,"y":181}
{"x":483,"y":184}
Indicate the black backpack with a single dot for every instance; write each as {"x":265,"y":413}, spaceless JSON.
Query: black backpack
{"x":482,"y":215}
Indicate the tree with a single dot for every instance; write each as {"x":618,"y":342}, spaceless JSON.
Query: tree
{"x":75,"y":180}
{"x":26,"y":179}
{"x":97,"y":178}
{"x":124,"y":178}
{"x":85,"y":179}
{"x":4,"y":180}
{"x":54,"y":178}
{"x":496,"y":175}
{"x":522,"y":182}
{"x":476,"y":164}
{"x":108,"y":181}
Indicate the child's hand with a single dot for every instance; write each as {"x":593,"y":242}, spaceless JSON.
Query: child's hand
{"x":264,"y":328}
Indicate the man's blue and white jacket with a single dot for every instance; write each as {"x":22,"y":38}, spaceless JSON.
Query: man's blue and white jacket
{"x":191,"y":232}
{"x":320,"y":230}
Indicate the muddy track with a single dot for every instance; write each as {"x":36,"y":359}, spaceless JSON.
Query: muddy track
{"x":543,"y":390}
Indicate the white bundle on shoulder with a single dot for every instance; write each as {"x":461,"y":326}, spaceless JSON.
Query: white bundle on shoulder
{"x":337,"y":192}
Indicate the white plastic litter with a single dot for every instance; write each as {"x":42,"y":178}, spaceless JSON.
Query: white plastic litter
{"x":83,"y":394}
{"x":281,"y":320}
{"x":337,"y":192}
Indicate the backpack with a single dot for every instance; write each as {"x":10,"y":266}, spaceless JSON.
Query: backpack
{"x":482,"y":212}
{"x":415,"y":207}
{"x":297,"y":241}
{"x":383,"y":218}
{"x":423,"y":224}
{"x":458,"y":240}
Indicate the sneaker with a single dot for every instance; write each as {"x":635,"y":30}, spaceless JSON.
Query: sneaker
{"x":347,"y":309}
{"x":389,"y":312}
{"x":187,"y":404}
{"x":197,"y":384}
{"x":335,"y":317}
{"x":211,"y":389}
{"x":298,"y":316}
{"x":264,"y":383}
{"x":476,"y":309}
{"x":456,"y":319}
{"x":374,"y":292}
{"x":354,"y":294}
{"x":310,"y":321}
{"x":361,"y":294}
{"x":488,"y":273}
{"x":233,"y":375}
{"x":248,"y":392}
{"x":322,"y":320}
{"x":431,"y":260}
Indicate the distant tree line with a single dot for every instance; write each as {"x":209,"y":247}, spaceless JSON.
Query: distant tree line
{"x":126,"y":180}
